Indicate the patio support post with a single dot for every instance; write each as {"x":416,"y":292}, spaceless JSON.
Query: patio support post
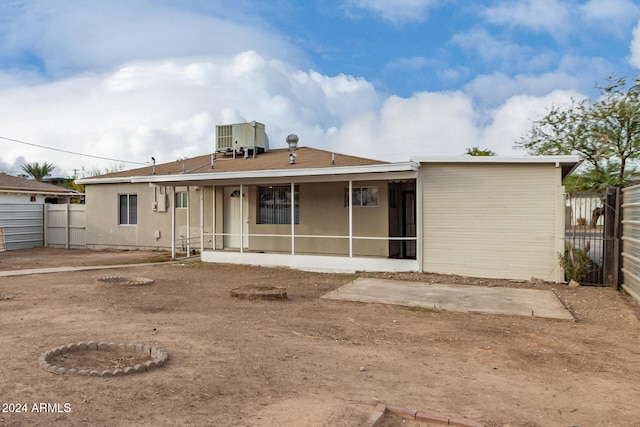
{"x":213,"y":218}
{"x":188,"y":223}
{"x":293,"y":219}
{"x":241,"y":219}
{"x":419,"y":247}
{"x":350,"y":218}
{"x":201,"y":219}
{"x":173,"y":223}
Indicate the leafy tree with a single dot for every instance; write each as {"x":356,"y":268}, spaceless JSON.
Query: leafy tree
{"x":604,"y":132}
{"x":112,"y":168}
{"x":597,"y":180}
{"x":476,"y":151}
{"x":71,"y":184}
{"x":38,"y":171}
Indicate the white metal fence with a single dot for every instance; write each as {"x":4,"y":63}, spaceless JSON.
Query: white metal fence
{"x":22,"y":225}
{"x":65,"y":226}
{"x":631,"y":241}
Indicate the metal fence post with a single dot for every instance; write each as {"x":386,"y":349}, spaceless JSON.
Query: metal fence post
{"x":611,"y":244}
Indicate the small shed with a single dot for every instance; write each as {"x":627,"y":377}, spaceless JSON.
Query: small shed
{"x":495,"y":217}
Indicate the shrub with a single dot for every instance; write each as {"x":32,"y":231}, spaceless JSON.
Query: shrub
{"x":575,"y":263}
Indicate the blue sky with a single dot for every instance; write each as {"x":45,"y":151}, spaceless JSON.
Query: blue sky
{"x":127,"y":80}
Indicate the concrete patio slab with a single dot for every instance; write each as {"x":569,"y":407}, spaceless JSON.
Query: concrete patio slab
{"x":464,"y":298}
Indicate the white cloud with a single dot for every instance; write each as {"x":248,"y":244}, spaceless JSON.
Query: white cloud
{"x":634,"y":59}
{"x":513,"y":119}
{"x":425,"y":124}
{"x":572,"y":73}
{"x":611,"y":15}
{"x":552,"y":16}
{"x":397,"y":11}
{"x":560,"y":18}
{"x":169,"y":109}
{"x":64,"y":38}
{"x":489,"y":47}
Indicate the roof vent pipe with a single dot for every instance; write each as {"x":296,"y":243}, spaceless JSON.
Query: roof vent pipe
{"x":213,"y":159}
{"x":292,"y":140}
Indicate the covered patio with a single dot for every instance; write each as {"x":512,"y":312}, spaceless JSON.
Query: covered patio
{"x":342,"y":218}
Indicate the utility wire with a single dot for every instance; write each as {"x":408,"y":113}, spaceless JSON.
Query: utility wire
{"x":71,"y":152}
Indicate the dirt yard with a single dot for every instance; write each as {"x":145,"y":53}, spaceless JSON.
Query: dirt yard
{"x":304,"y":361}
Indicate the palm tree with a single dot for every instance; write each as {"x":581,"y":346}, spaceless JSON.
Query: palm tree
{"x":38,"y":172}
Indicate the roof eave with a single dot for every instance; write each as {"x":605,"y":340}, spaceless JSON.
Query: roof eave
{"x":564,"y":159}
{"x":262,"y":173}
{"x":118,"y":180}
{"x":43,"y":193}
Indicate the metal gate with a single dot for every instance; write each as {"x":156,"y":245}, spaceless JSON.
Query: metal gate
{"x":593,"y":233}
{"x":584,"y":233}
{"x":23,"y":225}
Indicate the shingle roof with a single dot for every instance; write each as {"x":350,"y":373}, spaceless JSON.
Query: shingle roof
{"x":306,"y":157}
{"x":14,"y":183}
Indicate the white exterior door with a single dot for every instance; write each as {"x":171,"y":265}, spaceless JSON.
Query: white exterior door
{"x":232,"y":218}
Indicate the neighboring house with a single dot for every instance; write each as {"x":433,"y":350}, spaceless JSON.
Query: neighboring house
{"x":495,"y":217}
{"x":22,"y":209}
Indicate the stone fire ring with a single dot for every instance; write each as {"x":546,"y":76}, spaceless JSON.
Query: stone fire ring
{"x":159,"y":356}
{"x":259,"y":292}
{"x":129,"y":281}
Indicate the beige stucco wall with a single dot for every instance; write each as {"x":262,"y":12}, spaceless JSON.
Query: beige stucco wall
{"x":103,"y":229}
{"x":492,"y":220}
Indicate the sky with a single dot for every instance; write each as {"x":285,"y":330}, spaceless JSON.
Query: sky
{"x":92,"y":86}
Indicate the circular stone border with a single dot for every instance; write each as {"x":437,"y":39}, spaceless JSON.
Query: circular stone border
{"x":159,"y":356}
{"x":129,"y":281}
{"x":259,"y":292}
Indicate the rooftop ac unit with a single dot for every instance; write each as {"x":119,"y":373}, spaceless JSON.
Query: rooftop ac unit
{"x":246,"y":136}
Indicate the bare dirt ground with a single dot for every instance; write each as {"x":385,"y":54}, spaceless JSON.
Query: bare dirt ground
{"x":304,"y":361}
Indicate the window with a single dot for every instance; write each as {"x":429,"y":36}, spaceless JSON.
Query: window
{"x":275,"y":205}
{"x":362,"y":197}
{"x":181,"y":199}
{"x":128,"y":209}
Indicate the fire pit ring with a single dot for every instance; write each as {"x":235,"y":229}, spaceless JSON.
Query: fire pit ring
{"x":259,"y":292}
{"x":157,"y":358}
{"x":126,"y":281}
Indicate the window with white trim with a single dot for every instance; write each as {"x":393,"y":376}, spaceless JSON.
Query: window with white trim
{"x":128,"y":209}
{"x":275,"y":205}
{"x":362,"y":197}
{"x":181,"y":199}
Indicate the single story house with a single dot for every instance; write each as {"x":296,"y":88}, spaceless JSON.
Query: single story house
{"x":22,"y":204}
{"x":301,"y":207}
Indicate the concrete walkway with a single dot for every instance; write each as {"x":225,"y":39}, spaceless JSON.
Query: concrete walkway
{"x":9,"y":273}
{"x":518,"y":302}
